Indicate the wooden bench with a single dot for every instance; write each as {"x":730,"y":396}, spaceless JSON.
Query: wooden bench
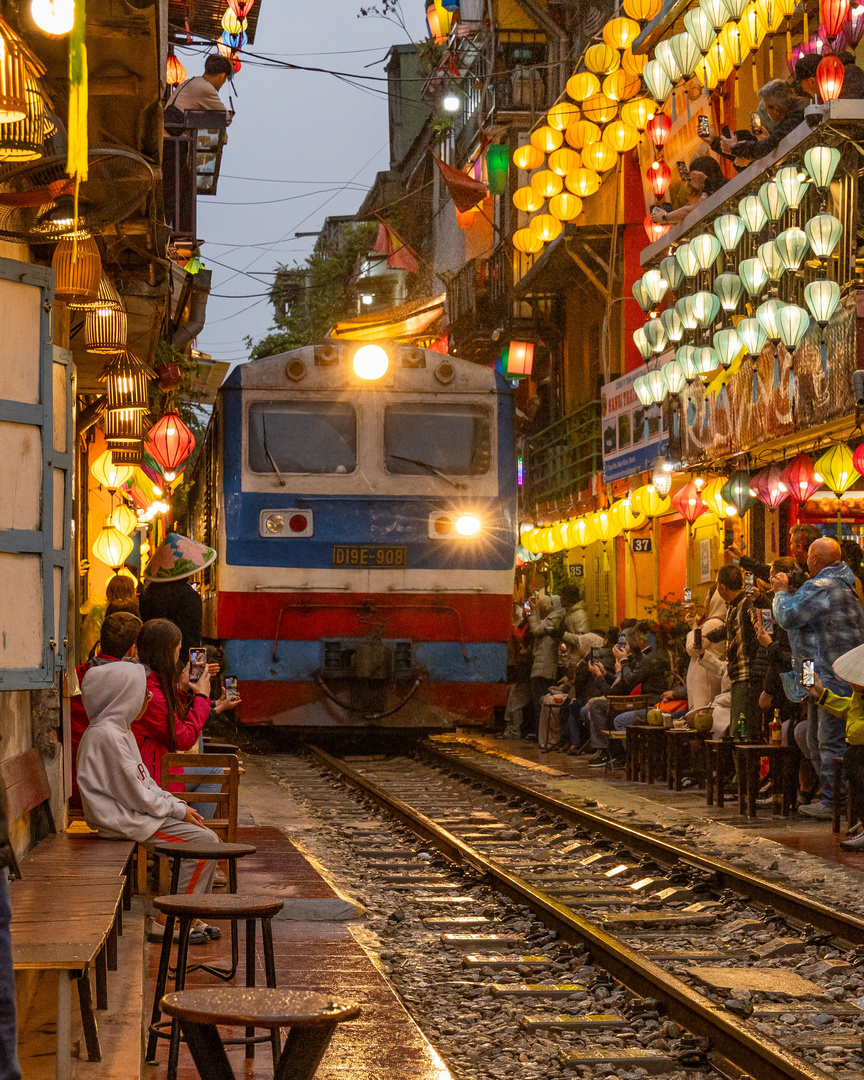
{"x":67,"y":903}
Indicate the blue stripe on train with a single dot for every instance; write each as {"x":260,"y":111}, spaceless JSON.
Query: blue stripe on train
{"x":441,"y":660}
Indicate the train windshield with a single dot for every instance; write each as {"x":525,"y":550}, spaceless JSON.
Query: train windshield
{"x":308,"y":437}
{"x":450,"y":439}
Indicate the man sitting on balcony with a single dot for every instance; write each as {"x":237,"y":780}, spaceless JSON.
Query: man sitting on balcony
{"x":201,"y":93}
{"x":784,"y":107}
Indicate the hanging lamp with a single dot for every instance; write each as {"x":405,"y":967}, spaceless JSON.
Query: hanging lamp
{"x":800,"y":477}
{"x":77,"y":267}
{"x":792,"y":323}
{"x":729,"y":228}
{"x":791,"y":246}
{"x":794,"y":188}
{"x":110,"y":475}
{"x":672,"y":324}
{"x":106,"y":330}
{"x":820,"y":164}
{"x":752,"y":213}
{"x":112,"y":547}
{"x":773,"y":200}
{"x":753,"y":336}
{"x":770,"y":486}
{"x":170,"y":443}
{"x":736,"y":491}
{"x":106,"y":297}
{"x":727,"y":345}
{"x":729,"y":289}
{"x":24,"y":140}
{"x":658,"y":129}
{"x":672,"y":272}
{"x":754,"y":276}
{"x":705,"y":248}
{"x":767,"y":314}
{"x":688,"y":502}
{"x":823,"y":231}
{"x":655,"y":285}
{"x":127,"y":379}
{"x":770,"y":259}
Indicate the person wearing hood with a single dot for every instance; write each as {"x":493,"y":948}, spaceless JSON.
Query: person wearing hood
{"x":575,"y":620}
{"x":119,"y":796}
{"x":703,"y":680}
{"x":828,"y":621}
{"x":545,"y":624}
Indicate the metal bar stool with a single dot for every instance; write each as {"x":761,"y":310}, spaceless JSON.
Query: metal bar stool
{"x":312,"y":1018}
{"x":186,"y":909}
{"x":230,"y":853}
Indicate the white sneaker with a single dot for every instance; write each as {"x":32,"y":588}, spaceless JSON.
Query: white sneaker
{"x":856,"y":843}
{"x":817,"y":810}
{"x":219,"y":880}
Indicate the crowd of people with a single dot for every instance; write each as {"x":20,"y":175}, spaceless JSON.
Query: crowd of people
{"x":775,"y":653}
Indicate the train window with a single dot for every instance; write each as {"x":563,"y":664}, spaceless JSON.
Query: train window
{"x":308,"y":437}
{"x":450,"y":439}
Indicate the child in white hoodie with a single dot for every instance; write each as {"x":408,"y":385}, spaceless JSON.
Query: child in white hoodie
{"x":118,"y":795}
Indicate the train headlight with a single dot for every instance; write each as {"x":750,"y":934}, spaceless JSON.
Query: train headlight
{"x":371,"y":362}
{"x":274,"y":523}
{"x":467,"y":525}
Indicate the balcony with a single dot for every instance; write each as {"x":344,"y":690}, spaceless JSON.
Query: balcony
{"x":191,"y":160}
{"x":561,"y":459}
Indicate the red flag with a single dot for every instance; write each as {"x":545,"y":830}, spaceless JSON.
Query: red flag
{"x":399,"y":254}
{"x":465,"y":192}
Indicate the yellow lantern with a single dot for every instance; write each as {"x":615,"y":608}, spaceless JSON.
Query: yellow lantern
{"x":600,"y":109}
{"x":638,"y":112}
{"x":528,"y":157}
{"x":713,"y":498}
{"x":606,"y":526}
{"x":752,"y":28}
{"x":642,"y":10}
{"x":633,"y":63}
{"x":123,"y":519}
{"x":621,"y":33}
{"x":581,"y":531}
{"x":581,"y":133}
{"x":599,"y":156}
{"x":837,"y":469}
{"x":526,"y":242}
{"x":706,"y":70}
{"x":547,"y":183}
{"x":722,"y":59}
{"x":628,"y":516}
{"x":620,"y":136}
{"x":733,"y":44}
{"x":582,"y":182}
{"x":601,"y":58}
{"x":111,"y":546}
{"x":527,"y":199}
{"x":564,"y":160}
{"x":620,"y":86}
{"x":649,"y":501}
{"x":545,"y":227}
{"x":583,"y":85}
{"x":546,"y":139}
{"x":565,"y":207}
{"x":773,"y":12}
{"x":109,"y":475}
{"x":547,"y":544}
{"x":528,"y":540}
{"x":559,"y":535}
{"x":562,"y":115}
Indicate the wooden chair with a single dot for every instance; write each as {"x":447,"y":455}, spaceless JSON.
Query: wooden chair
{"x":180,"y":771}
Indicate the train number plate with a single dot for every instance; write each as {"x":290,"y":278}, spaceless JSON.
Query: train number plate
{"x":369,"y":556}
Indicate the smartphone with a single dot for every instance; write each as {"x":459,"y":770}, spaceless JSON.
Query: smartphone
{"x":681,"y":166}
{"x":231,"y":690}
{"x":526,"y":607}
{"x":808,"y":673}
{"x":703,"y":128}
{"x":697,"y":637}
{"x":749,"y":580}
{"x":767,"y":620}
{"x":622,"y":640}
{"x":595,"y":654}
{"x":755,"y":121}
{"x":688,"y":596}
{"x":725,"y":132}
{"x":197,"y":664}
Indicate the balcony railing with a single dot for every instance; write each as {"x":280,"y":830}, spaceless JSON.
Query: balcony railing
{"x":191,"y":160}
{"x":561,"y":459}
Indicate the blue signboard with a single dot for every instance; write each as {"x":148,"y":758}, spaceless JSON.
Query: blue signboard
{"x":633,"y":436}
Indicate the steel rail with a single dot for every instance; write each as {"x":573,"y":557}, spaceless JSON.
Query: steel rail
{"x":746,"y":1050}
{"x":797,"y":907}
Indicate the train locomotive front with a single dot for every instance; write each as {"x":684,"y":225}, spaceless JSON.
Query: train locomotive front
{"x":363,"y":502}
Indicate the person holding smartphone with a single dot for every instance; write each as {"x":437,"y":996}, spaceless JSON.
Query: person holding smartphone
{"x":702,"y":178}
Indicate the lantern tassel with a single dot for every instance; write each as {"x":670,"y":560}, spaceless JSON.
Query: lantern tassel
{"x":806,"y":23}
{"x":755,"y":385}
{"x":755,"y":76}
{"x":771,"y":59}
{"x":691,"y":413}
{"x":77,"y":156}
{"x":674,"y":111}
{"x":707,"y":413}
{"x":792,"y":389}
{"x":824,"y":360}
{"x":789,"y":45}
{"x":776,"y":371}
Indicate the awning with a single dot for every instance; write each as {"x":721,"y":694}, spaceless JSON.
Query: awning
{"x":407,"y":323}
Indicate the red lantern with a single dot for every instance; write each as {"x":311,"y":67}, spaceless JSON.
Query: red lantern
{"x":655,"y":229}
{"x":829,"y":77}
{"x":520,"y":360}
{"x":688,"y":503}
{"x":800,"y":477}
{"x":169,"y":444}
{"x":769,"y":486}
{"x":659,"y":176}
{"x":833,"y":14}
{"x":659,"y":128}
{"x":858,"y":458}
{"x":175,"y":73}
{"x":241,"y":8}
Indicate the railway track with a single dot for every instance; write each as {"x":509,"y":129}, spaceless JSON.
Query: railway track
{"x":614,"y":901}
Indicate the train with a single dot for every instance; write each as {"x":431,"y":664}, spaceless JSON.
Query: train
{"x":362,"y":498}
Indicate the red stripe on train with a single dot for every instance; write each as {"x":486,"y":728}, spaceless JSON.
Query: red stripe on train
{"x":310,"y":616}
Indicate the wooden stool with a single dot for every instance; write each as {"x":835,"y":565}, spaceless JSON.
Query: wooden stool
{"x":749,"y":777}
{"x":837,"y":805}
{"x":677,"y":739}
{"x":230,"y":853}
{"x":649,"y":760}
{"x":312,"y":1018}
{"x":193,"y":906}
{"x":718,"y":759}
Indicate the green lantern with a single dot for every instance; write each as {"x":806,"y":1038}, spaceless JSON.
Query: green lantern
{"x":736,"y":491}
{"x":497,"y":166}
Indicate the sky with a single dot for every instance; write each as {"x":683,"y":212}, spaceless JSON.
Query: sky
{"x":303,"y":146}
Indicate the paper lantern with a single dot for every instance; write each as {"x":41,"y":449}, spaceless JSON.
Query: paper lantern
{"x":712,"y":496}
{"x":705,"y":308}
{"x":106,"y":330}
{"x":659,"y":176}
{"x":790,"y":246}
{"x":124,"y":519}
{"x":640,"y":294}
{"x":823,"y":232}
{"x":688,"y":502}
{"x":231,"y":24}
{"x":619,"y":86}
{"x":674,"y":377}
{"x":686,"y":52}
{"x":599,"y":156}
{"x":687,"y":362}
{"x":717,"y":12}
{"x":497,"y":167}
{"x":620,"y":136}
{"x":727,"y":344}
{"x":837,"y":469}
{"x":699,"y":27}
{"x":705,"y":360}
{"x":606,"y":526}
{"x":656,"y":335}
{"x":655,"y":285}
{"x":108,"y":474}
{"x":601,"y":58}
{"x":564,"y":160}
{"x":565,"y":207}
{"x":770,"y":486}
{"x":658,"y":129}
{"x":684,"y":308}
{"x":752,"y":28}
{"x":752,"y":213}
{"x":621,"y":33}
{"x":820,"y":164}
{"x":582,"y":532}
{"x":582,"y":85}
{"x":600,"y":109}
{"x":636,"y":113}
{"x":705,"y":248}
{"x":642,"y":10}
{"x":753,"y":336}
{"x":634,"y":63}
{"x":673,"y":273}
{"x":686,"y":259}
{"x":582,"y":133}
{"x":650,"y":501}
{"x":858,"y":460}
{"x":792,"y":322}
{"x":654,"y":230}
{"x":833,"y":14}
{"x":793,"y":187}
{"x":628,"y":516}
{"x":853,"y":30}
{"x":526,"y":242}
{"x":736,"y":491}
{"x":127,"y":380}
{"x":770,"y":259}
{"x":657,"y":81}
{"x":112,"y":547}
{"x":546,"y":139}
{"x":767,"y":314}
{"x":643,"y":391}
{"x":672,"y":324}
{"x":800,"y":478}
{"x":754,"y":275}
{"x":528,"y":157}
{"x":773,"y":200}
{"x":822,"y":298}
{"x":582,"y":182}
{"x":76,"y":278}
{"x":545,"y":227}
{"x":707,"y":70}
{"x":729,"y":289}
{"x":170,"y":443}
{"x":729,"y":228}
{"x":546,"y":183}
{"x":562,"y":115}
{"x":664,"y":55}
{"x":527,"y":199}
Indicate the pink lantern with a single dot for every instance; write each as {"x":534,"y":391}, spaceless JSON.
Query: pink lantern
{"x":800,"y":477}
{"x":858,"y":458}
{"x":769,"y":486}
{"x":853,"y":30}
{"x":688,"y":502}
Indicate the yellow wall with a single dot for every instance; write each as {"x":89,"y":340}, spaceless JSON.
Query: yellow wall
{"x":598,"y":581}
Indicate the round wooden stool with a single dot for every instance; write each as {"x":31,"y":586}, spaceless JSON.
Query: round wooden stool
{"x":230,"y":853}
{"x":312,"y":1018}
{"x":186,"y":909}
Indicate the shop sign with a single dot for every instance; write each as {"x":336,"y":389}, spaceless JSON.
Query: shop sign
{"x":576,"y":570}
{"x":641,"y":545}
{"x":633,"y":436}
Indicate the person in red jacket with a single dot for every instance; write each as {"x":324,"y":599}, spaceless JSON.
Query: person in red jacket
{"x":116,"y":642}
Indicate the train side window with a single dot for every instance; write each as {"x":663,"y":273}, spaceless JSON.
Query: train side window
{"x":302,"y":437}
{"x":450,"y":438}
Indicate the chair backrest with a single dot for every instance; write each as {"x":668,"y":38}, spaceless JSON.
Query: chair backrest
{"x":26,"y":783}
{"x":180,"y":772}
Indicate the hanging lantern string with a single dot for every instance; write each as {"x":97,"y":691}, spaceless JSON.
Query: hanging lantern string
{"x":76,"y":162}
